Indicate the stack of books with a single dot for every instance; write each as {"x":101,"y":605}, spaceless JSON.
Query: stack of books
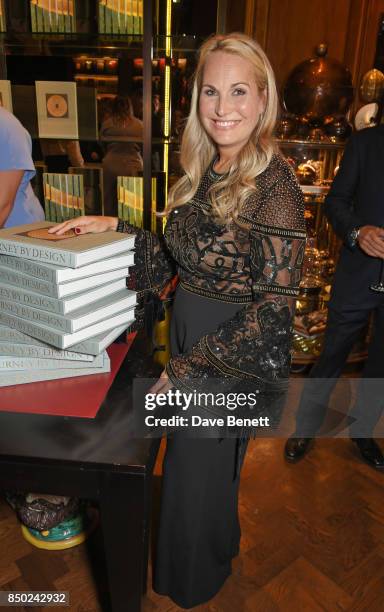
{"x":53,"y":16}
{"x":63,"y":301}
{"x":121,"y":17}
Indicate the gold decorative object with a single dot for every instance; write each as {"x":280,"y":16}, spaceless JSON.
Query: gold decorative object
{"x":318,"y":87}
{"x":372,"y":86}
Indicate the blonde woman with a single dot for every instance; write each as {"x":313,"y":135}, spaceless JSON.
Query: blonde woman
{"x":235,"y":234}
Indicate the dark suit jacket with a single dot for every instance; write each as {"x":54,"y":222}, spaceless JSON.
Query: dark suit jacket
{"x":356,"y":198}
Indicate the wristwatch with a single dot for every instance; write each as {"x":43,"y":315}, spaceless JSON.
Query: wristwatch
{"x":352,"y":236}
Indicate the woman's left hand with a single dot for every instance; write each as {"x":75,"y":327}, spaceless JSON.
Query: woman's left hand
{"x":162,"y":385}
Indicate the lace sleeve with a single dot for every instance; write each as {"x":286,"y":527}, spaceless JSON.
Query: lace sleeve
{"x":254,"y":345}
{"x":154,"y":268}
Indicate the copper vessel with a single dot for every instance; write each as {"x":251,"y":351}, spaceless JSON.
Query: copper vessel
{"x":318,"y":87}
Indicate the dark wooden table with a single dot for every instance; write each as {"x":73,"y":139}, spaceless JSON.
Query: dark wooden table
{"x":97,"y":459}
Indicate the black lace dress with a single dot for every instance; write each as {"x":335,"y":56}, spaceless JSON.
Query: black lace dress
{"x":231,"y":320}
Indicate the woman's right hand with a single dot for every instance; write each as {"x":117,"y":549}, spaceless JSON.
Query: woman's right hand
{"x":86,"y":225}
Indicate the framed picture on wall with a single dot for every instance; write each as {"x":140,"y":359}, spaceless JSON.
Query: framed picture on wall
{"x":57,"y":109}
{"x":6,"y":95}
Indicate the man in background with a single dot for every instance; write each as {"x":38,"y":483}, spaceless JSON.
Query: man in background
{"x":355,"y":209}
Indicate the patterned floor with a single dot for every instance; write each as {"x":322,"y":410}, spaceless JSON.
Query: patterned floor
{"x":313,"y":538}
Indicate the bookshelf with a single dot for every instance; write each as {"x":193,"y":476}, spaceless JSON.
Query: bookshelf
{"x":108,"y":47}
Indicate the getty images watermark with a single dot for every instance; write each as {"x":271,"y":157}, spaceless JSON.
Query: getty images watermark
{"x":181,"y":401}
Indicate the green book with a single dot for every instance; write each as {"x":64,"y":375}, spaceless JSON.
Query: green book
{"x":66,"y":181}
{"x":46,"y":197}
{"x":61,"y":25}
{"x":125,"y":206}
{"x":141,"y":20}
{"x":58,"y":197}
{"x":33,"y":17}
{"x":128,"y":17}
{"x":154,"y":219}
{"x":114,"y":18}
{"x":81,"y":206}
{"x":2,"y":17}
{"x":68,"y":19}
{"x":131,"y":200}
{"x":73,"y":15}
{"x":108,"y":20}
{"x":69,"y":178}
{"x":39,"y":19}
{"x":101,"y":17}
{"x":139,"y":201}
{"x":48,"y":20}
{"x":136,"y":20}
{"x":76,"y":195}
{"x":120,"y":196}
{"x":50,"y":206}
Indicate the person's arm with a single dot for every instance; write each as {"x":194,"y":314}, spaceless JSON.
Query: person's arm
{"x":10,"y":181}
{"x":74,"y":153}
{"x":339,"y":205}
{"x":15,"y":160}
{"x":254,"y":345}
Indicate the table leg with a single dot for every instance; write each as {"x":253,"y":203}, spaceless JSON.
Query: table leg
{"x":147,"y":527}
{"x":123,"y":518}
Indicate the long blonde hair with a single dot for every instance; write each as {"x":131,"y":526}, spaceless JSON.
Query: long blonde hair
{"x":198,"y":150}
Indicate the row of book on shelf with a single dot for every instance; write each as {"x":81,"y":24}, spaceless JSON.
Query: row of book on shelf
{"x":62,"y":302}
{"x":64,"y":198}
{"x":115,"y":16}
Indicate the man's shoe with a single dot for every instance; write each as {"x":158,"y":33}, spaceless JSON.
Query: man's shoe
{"x":370,"y":451}
{"x":296,"y":448}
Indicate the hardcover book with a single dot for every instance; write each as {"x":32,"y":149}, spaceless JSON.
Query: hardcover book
{"x":32,"y":241}
{"x":23,"y":377}
{"x":30,"y":348}
{"x":61,"y":306}
{"x":96,"y":344}
{"x":61,"y":274}
{"x":24,"y":281}
{"x":14,"y":363}
{"x":65,"y":340}
{"x":76,"y":320}
{"x":2,"y":17}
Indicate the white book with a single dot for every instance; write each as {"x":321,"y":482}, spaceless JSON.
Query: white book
{"x":41,"y":350}
{"x":30,"y":283}
{"x":12,"y":363}
{"x":76,"y":320}
{"x":59,"y":274}
{"x":61,"y":306}
{"x":98,"y":343}
{"x":21,"y":378}
{"x":73,"y":252}
{"x":85,"y":350}
{"x":64,"y":340}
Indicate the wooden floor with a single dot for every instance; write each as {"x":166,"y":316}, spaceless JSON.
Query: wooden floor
{"x":312,"y":538}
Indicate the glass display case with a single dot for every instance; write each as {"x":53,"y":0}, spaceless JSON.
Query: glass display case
{"x":315,"y":165}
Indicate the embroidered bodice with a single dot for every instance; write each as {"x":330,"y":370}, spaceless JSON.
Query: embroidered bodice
{"x":218,"y":261}
{"x":258,"y":265}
